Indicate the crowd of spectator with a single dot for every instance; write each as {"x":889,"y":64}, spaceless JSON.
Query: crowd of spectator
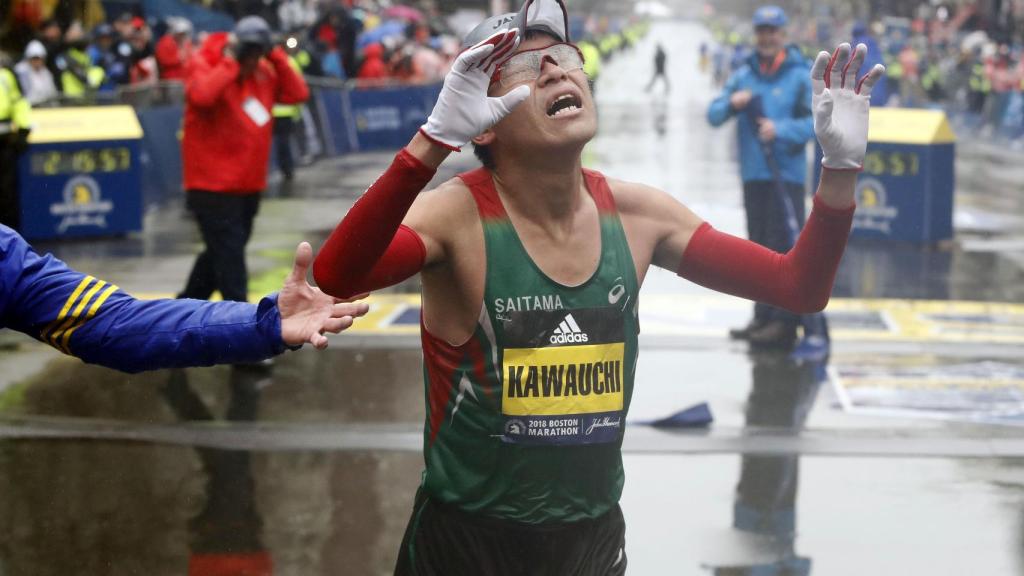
{"x":363,"y":41}
{"x":65,"y":63}
{"x":945,"y":57}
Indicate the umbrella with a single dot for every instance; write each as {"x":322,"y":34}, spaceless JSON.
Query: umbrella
{"x":378,"y":34}
{"x":404,"y":12}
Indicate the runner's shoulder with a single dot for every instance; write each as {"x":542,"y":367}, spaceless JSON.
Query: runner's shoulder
{"x":452,"y":192}
{"x":450,"y":203}
{"x":634,"y":198}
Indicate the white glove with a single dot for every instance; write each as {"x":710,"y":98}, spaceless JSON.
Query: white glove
{"x":463,"y":110}
{"x":841,"y":105}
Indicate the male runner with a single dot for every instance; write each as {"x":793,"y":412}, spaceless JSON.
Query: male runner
{"x":531,"y":268}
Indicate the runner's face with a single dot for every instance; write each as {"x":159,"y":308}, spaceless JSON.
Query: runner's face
{"x":560,"y":108}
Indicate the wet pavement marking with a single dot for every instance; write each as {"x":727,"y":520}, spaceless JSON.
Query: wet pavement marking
{"x":925,"y":387}
{"x":409,"y":438}
{"x":710,"y":315}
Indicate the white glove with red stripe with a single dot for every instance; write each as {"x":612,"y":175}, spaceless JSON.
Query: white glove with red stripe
{"x":841,"y":105}
{"x":463,"y":110}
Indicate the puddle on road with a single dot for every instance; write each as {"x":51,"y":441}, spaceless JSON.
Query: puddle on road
{"x":101,"y":508}
{"x":335,"y":386}
{"x":118,"y":508}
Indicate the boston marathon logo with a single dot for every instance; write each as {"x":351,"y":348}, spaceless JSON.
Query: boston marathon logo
{"x":515,"y":427}
{"x":82,"y":205}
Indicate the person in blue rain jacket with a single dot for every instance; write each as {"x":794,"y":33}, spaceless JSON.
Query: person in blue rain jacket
{"x":770,"y":97}
{"x":94,"y":320}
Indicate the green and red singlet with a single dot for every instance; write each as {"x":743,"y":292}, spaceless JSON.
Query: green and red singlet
{"x":525,"y":420}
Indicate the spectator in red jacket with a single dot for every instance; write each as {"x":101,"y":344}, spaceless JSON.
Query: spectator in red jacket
{"x":143,"y":63}
{"x":174,"y":49}
{"x":231,"y":86}
{"x":373,"y":67}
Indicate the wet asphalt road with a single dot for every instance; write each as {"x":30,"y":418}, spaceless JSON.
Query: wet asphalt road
{"x":312,"y":463}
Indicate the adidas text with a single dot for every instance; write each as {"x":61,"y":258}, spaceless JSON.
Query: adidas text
{"x":568,"y":338}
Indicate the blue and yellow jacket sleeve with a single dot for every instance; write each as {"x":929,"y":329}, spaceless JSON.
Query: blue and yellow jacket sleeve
{"x":94,"y":320}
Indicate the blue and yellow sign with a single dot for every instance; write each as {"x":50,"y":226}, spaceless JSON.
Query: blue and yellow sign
{"x":906,"y":189}
{"x":81,"y":174}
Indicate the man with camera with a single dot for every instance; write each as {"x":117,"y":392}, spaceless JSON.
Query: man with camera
{"x":231,"y":85}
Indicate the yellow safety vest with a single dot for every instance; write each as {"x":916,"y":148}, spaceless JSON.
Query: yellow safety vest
{"x":72,"y":85}
{"x":591,"y":60}
{"x":14,"y":108}
{"x":893,"y":68}
{"x":293,"y":111}
{"x":303,"y":59}
{"x":931,"y":76}
{"x":979,"y":81}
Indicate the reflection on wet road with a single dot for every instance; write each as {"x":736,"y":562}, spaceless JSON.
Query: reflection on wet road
{"x":873,"y":464}
{"x":782,"y":393}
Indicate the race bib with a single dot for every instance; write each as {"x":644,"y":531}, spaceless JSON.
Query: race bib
{"x":563,"y":376}
{"x":256,"y":111}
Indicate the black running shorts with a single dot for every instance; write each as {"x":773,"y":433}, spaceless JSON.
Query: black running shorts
{"x":442,"y":540}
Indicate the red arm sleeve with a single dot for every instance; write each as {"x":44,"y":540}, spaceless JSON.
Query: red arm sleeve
{"x":800,"y":280}
{"x":370,"y":249}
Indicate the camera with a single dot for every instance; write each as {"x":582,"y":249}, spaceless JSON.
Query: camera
{"x":247,"y":50}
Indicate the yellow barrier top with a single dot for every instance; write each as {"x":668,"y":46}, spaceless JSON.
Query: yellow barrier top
{"x":909,"y":126}
{"x":84,"y":124}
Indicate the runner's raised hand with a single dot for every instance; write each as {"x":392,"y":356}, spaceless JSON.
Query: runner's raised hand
{"x":463,"y":109}
{"x":841,"y":103}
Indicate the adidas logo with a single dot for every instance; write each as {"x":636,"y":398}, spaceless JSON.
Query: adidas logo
{"x":568,"y":332}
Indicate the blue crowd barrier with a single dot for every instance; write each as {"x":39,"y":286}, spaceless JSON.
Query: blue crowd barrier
{"x":161,"y":153}
{"x":332,"y":113}
{"x":203,"y":19}
{"x":386,"y":118}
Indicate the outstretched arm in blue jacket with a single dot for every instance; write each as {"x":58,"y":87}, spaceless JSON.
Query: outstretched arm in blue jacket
{"x":99,"y":323}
